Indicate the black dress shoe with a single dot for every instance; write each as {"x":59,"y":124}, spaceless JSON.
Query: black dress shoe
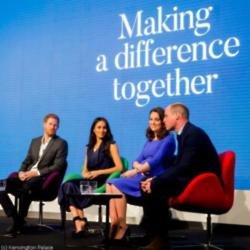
{"x":15,"y":228}
{"x":117,"y":242}
{"x":11,"y":232}
{"x":8,"y":235}
{"x":157,"y":243}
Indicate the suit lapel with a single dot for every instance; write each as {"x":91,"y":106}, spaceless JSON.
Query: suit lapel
{"x":51,"y":142}
{"x":37,"y":146}
{"x":180,"y":139}
{"x":185,"y":129}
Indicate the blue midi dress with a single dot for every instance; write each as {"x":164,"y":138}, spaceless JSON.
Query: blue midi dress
{"x":159,"y":154}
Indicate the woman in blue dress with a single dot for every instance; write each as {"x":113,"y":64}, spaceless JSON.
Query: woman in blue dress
{"x":157,"y":154}
{"x":101,"y":159}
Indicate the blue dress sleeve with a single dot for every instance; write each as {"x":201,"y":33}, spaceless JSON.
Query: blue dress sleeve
{"x":141,"y":157}
{"x":166,"y":149}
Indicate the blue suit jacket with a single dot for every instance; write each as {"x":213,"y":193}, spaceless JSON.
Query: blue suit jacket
{"x":196,"y":154}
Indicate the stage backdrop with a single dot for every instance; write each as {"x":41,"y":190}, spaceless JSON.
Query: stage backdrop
{"x":118,"y":59}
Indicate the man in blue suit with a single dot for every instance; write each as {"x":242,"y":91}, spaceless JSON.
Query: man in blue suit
{"x":46,"y":153}
{"x":196,"y":154}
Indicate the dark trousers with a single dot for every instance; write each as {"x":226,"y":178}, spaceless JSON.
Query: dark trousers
{"x":24,"y":190}
{"x":156,"y":215}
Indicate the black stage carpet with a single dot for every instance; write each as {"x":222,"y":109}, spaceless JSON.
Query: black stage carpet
{"x":181,"y":233}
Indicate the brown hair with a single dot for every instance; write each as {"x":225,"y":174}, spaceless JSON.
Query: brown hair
{"x":163,"y":132}
{"x":51,"y":115}
{"x":181,"y":109}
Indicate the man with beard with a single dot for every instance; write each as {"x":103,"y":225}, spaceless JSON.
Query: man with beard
{"x":46,"y":153}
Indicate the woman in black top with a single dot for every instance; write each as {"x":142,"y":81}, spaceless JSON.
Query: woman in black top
{"x":101,"y":159}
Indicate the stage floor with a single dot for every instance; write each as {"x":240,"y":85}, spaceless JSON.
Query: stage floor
{"x":181,"y":233}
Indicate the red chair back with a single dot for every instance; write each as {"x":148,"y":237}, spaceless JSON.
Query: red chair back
{"x":206,"y":193}
{"x":227,"y":160}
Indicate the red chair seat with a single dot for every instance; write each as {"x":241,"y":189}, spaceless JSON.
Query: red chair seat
{"x":206,"y":193}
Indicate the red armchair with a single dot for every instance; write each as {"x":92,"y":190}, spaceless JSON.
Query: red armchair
{"x":206,"y":193}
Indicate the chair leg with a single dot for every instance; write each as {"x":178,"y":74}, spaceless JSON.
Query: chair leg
{"x":41,"y":204}
{"x":98,"y":229}
{"x":208,"y":245}
{"x":63,"y":217}
{"x":209,"y":234}
{"x":100,"y":214}
{"x":40,"y":223}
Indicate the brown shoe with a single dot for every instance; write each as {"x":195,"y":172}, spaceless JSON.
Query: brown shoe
{"x":157,"y":243}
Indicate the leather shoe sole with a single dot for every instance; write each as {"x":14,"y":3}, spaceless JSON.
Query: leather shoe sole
{"x":8,"y":235}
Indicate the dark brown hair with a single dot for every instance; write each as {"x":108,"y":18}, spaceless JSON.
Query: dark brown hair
{"x":108,"y":138}
{"x":51,"y":115}
{"x":162,"y":132}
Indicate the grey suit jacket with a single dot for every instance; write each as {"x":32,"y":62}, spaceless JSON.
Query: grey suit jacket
{"x":53,"y":158}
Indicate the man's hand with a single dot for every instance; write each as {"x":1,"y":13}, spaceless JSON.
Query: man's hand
{"x":22,"y":175}
{"x":25,"y":176}
{"x":146,"y":185}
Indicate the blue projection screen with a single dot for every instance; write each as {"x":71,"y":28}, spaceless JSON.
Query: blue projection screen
{"x":82,"y":59}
